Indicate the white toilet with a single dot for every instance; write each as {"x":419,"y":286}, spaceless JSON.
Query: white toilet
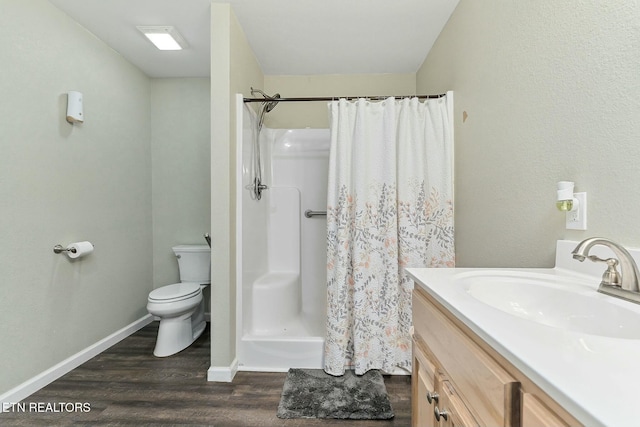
{"x":180,"y":306}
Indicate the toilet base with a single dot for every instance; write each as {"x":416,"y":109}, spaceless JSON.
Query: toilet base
{"x":177,"y":333}
{"x":199,"y":330}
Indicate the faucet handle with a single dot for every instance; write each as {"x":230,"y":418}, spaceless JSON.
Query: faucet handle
{"x":611,"y":277}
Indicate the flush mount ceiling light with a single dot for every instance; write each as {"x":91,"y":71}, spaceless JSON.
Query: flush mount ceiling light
{"x":164,"y":37}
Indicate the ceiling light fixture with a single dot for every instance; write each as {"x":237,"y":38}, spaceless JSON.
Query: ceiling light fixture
{"x":164,"y":37}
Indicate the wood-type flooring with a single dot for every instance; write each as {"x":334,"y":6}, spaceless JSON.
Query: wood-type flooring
{"x":127,"y":386}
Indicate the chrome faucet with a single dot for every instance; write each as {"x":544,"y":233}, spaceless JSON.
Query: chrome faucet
{"x":621,"y":285}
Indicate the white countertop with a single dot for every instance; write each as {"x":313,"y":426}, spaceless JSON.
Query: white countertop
{"x":595,"y":378}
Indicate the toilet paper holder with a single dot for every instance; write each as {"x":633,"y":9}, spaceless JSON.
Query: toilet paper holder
{"x":59,"y":249}
{"x":75,"y":250}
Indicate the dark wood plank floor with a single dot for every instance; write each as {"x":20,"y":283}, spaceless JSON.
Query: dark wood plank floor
{"x":127,"y":385}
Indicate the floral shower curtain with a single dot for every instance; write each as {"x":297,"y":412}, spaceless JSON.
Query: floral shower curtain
{"x":390,"y":207}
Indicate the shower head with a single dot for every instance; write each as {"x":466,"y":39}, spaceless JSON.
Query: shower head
{"x":270,"y":102}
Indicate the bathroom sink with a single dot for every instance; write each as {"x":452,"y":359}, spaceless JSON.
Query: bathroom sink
{"x":558,"y":301}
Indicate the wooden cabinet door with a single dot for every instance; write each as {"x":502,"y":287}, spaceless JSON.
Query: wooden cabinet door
{"x":423,"y":389}
{"x":536,"y":414}
{"x":451,"y":410}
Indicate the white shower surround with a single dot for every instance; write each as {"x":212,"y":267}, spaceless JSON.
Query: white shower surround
{"x":281,"y":254}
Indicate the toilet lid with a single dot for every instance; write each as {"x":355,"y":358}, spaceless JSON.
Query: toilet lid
{"x":177,"y":291}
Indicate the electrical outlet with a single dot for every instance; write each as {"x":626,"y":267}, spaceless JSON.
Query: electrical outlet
{"x":577,"y":219}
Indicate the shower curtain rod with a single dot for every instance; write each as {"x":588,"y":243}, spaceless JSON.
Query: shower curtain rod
{"x":334,"y":98}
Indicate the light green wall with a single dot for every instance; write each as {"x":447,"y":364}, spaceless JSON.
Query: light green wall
{"x":550,"y":90}
{"x":180,"y":153}
{"x":297,"y":115}
{"x":234,"y":69}
{"x":61,"y":183}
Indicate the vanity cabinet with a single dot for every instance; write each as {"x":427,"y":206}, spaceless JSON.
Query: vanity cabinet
{"x":459,"y":380}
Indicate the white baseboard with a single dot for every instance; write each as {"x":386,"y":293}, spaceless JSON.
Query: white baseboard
{"x":34,"y":384}
{"x":223,"y":374}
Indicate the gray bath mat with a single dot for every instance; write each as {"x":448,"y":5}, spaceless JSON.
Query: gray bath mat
{"x":311,"y":393}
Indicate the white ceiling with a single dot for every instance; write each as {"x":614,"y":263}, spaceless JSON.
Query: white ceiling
{"x":288,"y":37}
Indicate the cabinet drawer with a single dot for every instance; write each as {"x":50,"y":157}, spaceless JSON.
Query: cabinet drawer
{"x":483,"y":384}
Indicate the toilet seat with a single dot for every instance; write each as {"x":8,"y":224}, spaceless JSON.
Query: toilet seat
{"x":175,"y":292}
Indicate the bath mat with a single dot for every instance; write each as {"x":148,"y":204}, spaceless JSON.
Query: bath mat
{"x":312,"y":393}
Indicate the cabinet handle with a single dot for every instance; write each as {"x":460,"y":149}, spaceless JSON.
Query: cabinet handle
{"x":432,"y":397}
{"x":438,"y":413}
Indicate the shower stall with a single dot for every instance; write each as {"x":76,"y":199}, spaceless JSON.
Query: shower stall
{"x":280,"y":251}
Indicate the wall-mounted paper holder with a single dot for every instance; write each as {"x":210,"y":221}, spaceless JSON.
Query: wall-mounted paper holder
{"x":59,"y":249}
{"x":75,"y":250}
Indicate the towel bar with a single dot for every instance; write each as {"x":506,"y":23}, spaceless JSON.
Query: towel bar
{"x":309,"y":213}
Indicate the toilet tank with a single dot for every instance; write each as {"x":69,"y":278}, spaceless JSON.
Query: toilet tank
{"x":194,"y":262}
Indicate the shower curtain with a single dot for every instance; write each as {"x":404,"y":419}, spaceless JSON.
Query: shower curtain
{"x":390,"y":207}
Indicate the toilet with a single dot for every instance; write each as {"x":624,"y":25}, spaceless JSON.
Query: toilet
{"x":180,"y":306}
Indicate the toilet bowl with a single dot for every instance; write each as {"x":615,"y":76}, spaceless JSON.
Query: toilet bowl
{"x":180,"y":306}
